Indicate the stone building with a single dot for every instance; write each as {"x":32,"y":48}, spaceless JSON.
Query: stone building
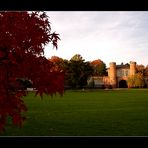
{"x":117,"y":75}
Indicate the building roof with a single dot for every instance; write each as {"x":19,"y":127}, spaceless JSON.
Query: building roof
{"x":123,"y":66}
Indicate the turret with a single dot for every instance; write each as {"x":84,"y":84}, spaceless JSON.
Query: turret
{"x":113,"y":74}
{"x":132,"y":68}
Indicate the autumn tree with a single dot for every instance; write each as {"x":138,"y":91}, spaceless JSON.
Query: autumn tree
{"x":58,"y":63}
{"x":146,"y":71}
{"x":143,"y":69}
{"x":136,"y":81}
{"x":23,"y":36}
{"x":140,"y":68}
{"x":99,"y":67}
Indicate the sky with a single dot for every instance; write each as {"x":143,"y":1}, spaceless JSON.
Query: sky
{"x":112,"y":36}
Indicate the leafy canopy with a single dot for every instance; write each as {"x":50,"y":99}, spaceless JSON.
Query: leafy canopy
{"x":22,"y":41}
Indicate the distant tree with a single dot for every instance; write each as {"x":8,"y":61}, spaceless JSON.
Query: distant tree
{"x":67,"y":73}
{"x":136,"y":81}
{"x":77,"y":57}
{"x":146,"y":71}
{"x":139,"y":80}
{"x":99,"y":67}
{"x":140,"y":68}
{"x":58,"y":63}
{"x":23,"y":36}
{"x":78,"y":71}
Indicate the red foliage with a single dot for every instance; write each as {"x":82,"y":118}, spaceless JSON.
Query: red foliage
{"x":96,"y":62}
{"x":58,"y":63}
{"x":22,"y":40}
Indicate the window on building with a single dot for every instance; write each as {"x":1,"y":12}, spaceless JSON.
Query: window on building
{"x":122,"y":72}
{"x":126,"y":73}
{"x":119,"y":73}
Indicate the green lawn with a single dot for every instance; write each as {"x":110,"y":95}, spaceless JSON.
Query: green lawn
{"x":96,"y":113}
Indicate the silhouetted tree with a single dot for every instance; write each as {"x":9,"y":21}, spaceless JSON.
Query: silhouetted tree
{"x":78,"y":71}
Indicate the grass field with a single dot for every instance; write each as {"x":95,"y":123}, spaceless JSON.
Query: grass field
{"x":85,"y":113}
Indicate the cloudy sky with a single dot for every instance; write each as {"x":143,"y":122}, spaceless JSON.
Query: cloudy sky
{"x":119,"y":36}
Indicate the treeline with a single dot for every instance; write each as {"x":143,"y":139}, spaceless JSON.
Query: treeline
{"x":78,"y":73}
{"x":77,"y":70}
{"x":140,"y":79}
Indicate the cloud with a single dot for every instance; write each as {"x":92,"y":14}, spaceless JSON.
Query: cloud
{"x":111,"y":36}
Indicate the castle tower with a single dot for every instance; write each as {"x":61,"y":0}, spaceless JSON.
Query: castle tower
{"x":113,"y":74}
{"x":132,"y":68}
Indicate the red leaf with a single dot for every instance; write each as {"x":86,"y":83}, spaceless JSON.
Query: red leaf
{"x":23,"y":35}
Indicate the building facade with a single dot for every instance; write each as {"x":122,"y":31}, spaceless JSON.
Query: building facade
{"x":117,"y":75}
